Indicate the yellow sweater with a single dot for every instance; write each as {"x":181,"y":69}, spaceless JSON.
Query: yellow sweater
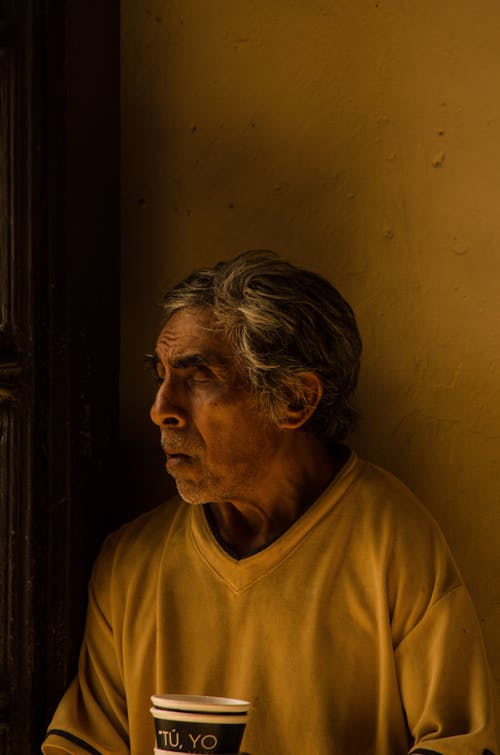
{"x":352,"y":633}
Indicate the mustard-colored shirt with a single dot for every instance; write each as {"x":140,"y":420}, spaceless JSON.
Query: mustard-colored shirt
{"x":352,"y":633}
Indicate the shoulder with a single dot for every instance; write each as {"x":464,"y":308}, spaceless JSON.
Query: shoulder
{"x":136,"y":547}
{"x":387,"y":506}
{"x":403,"y":539}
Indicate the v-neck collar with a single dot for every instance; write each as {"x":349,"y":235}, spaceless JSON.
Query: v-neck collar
{"x":240,"y":573}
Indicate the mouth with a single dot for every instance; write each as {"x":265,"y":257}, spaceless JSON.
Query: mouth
{"x":176,"y":459}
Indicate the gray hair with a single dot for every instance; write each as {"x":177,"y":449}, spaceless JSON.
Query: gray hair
{"x":282,"y":321}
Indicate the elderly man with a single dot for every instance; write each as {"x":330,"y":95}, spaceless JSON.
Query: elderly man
{"x":289,"y":572}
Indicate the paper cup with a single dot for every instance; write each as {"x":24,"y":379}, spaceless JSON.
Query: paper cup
{"x":197,"y":724}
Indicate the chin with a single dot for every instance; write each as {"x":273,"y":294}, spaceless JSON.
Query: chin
{"x":191,"y":494}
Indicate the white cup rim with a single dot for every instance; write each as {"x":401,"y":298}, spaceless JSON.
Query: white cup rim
{"x":202,"y":703}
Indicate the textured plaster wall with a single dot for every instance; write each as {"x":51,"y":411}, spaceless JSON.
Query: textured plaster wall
{"x":363,"y":140}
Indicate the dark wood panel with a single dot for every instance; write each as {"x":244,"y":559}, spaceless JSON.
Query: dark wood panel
{"x":59,"y":336}
{"x":5,"y":196}
{"x":16,"y":605}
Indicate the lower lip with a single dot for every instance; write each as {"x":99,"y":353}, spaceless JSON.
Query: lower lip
{"x":176,"y":460}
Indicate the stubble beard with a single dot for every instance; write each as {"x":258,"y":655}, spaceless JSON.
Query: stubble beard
{"x":209,"y":489}
{"x":191,"y":493}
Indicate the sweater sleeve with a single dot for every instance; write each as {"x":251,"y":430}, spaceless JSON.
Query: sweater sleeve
{"x":445,"y":683}
{"x":92,"y":715}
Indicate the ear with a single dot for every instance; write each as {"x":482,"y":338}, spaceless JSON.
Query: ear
{"x":298,"y":413}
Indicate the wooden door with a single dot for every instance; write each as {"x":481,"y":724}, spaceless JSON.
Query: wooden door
{"x":59,"y":336}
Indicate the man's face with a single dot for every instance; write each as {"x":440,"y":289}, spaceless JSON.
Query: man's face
{"x":218,"y":444}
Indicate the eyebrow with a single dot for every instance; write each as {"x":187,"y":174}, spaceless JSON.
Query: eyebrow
{"x":197,"y":360}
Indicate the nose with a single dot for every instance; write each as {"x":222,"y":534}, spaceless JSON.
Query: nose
{"x":166,"y":409}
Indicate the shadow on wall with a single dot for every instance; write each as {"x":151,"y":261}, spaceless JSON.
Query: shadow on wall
{"x":184,"y":216}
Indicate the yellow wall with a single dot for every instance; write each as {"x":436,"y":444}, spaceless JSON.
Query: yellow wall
{"x":361,"y":139}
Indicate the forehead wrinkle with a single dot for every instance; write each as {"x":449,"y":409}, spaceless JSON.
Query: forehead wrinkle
{"x":187,"y":339}
{"x":180,"y":357}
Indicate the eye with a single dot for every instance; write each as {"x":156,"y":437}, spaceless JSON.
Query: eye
{"x":200,"y":375}
{"x":156,"y":367}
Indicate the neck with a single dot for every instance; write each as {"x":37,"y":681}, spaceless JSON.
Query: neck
{"x":253,"y":522}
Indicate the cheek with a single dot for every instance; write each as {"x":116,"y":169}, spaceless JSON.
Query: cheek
{"x":224,"y":436}
{"x":232,"y":432}
{"x":239,"y":444}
